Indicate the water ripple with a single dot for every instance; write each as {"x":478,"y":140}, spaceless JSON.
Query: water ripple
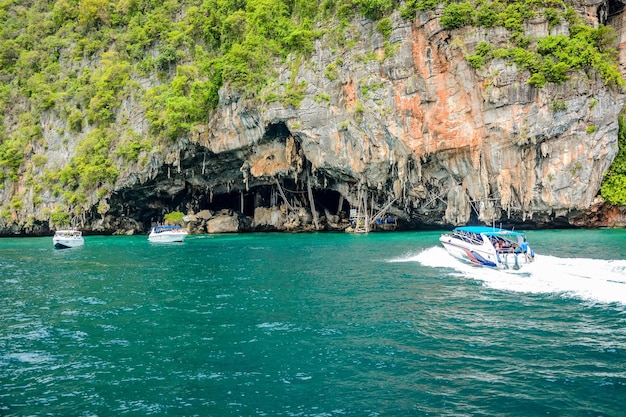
{"x":304,"y":325}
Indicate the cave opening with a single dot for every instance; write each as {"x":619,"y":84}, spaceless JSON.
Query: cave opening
{"x":473,"y":218}
{"x":609,"y":10}
{"x":233,"y":201}
{"x":331,"y":201}
{"x":268,"y":196}
{"x":276,"y":131}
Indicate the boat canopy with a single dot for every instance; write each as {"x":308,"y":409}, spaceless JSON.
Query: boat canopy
{"x":487,"y":231}
{"x":165,"y":228}
{"x":68,"y":233}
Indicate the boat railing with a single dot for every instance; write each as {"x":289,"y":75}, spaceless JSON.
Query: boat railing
{"x":68,"y":233}
{"x":167,"y":228}
{"x":469,"y":237}
{"x":508,"y":248}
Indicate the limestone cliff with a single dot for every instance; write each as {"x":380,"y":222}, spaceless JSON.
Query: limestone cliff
{"x":419,"y":128}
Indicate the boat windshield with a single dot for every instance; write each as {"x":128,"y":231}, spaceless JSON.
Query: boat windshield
{"x":68,"y":233}
{"x":473,"y":234}
{"x":161,"y":229}
{"x":468,"y":236}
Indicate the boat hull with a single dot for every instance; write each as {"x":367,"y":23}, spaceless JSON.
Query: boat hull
{"x":167,"y":234}
{"x":167,"y":237}
{"x":67,"y":243}
{"x":470,"y":254}
{"x":64,"y":239}
{"x":482,"y":253}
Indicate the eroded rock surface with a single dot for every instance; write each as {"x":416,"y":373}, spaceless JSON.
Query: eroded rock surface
{"x":446,"y":143}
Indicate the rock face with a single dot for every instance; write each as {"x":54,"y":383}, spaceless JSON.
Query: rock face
{"x":443,"y":143}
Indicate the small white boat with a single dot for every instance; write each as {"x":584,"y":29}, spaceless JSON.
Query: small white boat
{"x":489,"y":247}
{"x":67,"y":239}
{"x":167,"y":234}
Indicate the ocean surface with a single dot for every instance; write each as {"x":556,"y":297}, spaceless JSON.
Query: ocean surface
{"x":385,"y":324}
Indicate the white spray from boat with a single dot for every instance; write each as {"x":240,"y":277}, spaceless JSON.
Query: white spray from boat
{"x":594,"y":280}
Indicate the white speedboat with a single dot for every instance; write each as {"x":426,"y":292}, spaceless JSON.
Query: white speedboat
{"x":488,"y":246}
{"x":167,"y":234}
{"x":67,"y":239}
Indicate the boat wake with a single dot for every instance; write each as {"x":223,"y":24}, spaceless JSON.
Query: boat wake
{"x":594,"y":280}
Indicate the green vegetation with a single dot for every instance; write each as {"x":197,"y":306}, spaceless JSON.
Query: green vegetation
{"x":384,"y":27}
{"x":60,"y":217}
{"x":130,"y":145}
{"x":578,"y":166}
{"x":79,"y":61}
{"x":331,"y":72}
{"x":90,"y":169}
{"x":558,"y":105}
{"x":550,"y":59}
{"x":175,"y":217}
{"x":613,"y":188}
{"x":86,"y":62}
{"x":483,"y":52}
{"x":322,"y":98}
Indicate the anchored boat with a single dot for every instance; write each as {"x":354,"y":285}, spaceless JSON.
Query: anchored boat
{"x":489,"y":247}
{"x":167,"y":234}
{"x":63,"y":239}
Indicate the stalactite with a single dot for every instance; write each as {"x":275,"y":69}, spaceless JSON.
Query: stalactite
{"x":273,"y":197}
{"x":245,"y":170}
{"x":419,"y":170}
{"x":312,"y":202}
{"x":340,"y":205}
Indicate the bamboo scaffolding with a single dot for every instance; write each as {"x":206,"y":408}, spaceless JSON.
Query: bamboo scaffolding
{"x":312,"y":202}
{"x":282,"y":194}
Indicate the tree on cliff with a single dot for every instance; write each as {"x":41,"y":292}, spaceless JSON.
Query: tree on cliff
{"x":614,"y":185}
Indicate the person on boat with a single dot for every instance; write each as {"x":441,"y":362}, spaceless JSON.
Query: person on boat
{"x":526,"y":250}
{"x":498,"y":247}
{"x":524,"y":246}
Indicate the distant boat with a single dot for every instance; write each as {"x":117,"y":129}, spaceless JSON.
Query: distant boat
{"x":489,"y":247}
{"x":167,"y":234}
{"x":66,"y":238}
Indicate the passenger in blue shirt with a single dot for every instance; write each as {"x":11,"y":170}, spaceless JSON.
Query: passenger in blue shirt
{"x":526,"y":249}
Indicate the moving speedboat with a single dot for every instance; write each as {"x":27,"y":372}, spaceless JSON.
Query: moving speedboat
{"x":63,"y":239}
{"x":488,"y":246}
{"x":167,"y":234}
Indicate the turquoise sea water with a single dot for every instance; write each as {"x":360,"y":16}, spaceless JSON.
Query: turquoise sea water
{"x":311,"y":325}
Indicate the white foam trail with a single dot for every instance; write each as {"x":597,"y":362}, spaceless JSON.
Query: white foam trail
{"x":596,"y":280}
